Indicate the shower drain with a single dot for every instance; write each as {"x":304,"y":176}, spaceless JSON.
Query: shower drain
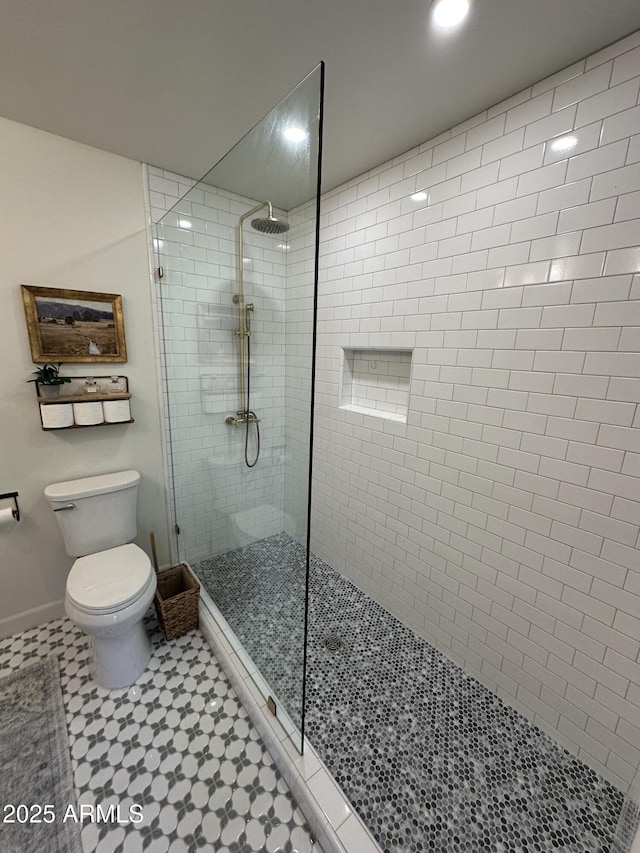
{"x":332,"y":642}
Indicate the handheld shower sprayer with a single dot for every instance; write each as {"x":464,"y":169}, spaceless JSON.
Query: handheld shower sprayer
{"x":269,"y":224}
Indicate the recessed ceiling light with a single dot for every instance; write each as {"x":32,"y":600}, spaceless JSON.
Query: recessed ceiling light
{"x":449,"y":13}
{"x":421,"y":196}
{"x":564,"y":143}
{"x":295,"y":134}
{"x":184,"y":223}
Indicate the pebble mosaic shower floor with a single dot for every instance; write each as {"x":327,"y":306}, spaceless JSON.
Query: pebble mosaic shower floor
{"x":178,"y":743}
{"x":431,"y":759}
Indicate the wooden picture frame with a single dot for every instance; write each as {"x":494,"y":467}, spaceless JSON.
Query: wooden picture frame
{"x":74,"y":325}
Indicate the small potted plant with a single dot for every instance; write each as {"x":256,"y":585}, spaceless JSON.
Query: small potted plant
{"x":49,"y":379}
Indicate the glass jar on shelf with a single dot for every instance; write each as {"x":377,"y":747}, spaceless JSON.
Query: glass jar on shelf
{"x":116,"y":385}
{"x":90,"y":386}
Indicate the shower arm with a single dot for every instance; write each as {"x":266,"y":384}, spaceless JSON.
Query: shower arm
{"x":242,"y":330}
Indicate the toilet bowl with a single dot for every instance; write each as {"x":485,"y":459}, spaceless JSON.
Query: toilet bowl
{"x":111,"y":584}
{"x":107,"y":596}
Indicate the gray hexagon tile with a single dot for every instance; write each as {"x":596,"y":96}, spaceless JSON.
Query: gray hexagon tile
{"x":178,"y":744}
{"x":429,"y":758}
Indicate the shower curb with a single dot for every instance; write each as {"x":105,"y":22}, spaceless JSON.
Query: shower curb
{"x":336,"y":826}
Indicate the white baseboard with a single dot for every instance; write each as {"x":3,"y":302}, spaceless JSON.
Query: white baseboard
{"x":30,"y":618}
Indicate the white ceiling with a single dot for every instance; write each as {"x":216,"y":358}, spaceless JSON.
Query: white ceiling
{"x":176,"y":83}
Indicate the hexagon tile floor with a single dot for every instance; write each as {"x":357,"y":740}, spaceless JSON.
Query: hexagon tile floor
{"x":178,"y":743}
{"x":430,"y":759}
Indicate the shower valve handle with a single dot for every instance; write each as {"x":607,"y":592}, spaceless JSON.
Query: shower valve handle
{"x":243,"y":418}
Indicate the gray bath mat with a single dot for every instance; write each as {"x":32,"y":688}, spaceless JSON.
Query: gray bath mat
{"x":35,"y":763}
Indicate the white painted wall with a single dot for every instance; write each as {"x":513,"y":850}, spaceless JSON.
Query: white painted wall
{"x":502,"y":521}
{"x":72,"y":217}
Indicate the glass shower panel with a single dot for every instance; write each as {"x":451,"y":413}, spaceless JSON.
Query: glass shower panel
{"x":237,"y":297}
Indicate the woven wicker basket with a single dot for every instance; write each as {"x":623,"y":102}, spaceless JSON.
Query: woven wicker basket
{"x":177,"y":599}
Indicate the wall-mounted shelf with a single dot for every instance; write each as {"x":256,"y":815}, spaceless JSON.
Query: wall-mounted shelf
{"x":73,"y":408}
{"x":82,"y":398}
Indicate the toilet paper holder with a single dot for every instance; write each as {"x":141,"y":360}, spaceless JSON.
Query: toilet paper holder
{"x":16,"y":510}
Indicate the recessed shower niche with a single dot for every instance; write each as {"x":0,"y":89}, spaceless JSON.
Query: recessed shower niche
{"x":376,"y":382}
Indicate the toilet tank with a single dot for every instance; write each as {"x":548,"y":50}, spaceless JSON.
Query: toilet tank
{"x":96,"y":513}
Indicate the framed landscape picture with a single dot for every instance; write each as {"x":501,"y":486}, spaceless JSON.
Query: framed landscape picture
{"x":74,"y":325}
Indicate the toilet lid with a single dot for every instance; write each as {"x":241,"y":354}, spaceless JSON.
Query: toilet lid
{"x":109,"y":579}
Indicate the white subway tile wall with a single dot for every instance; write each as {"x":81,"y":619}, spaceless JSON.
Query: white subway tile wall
{"x":298,"y":358}
{"x":501,"y":522}
{"x":218,"y":498}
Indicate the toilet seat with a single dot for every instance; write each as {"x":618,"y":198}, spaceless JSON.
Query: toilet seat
{"x":109,"y":580}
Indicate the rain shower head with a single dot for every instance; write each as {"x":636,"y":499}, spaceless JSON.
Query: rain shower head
{"x":270,"y":225}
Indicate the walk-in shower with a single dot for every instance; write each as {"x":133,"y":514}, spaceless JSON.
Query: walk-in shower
{"x":269,"y":224}
{"x":431,"y":757}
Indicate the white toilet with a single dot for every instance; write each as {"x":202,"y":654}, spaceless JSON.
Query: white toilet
{"x":112,"y":584}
